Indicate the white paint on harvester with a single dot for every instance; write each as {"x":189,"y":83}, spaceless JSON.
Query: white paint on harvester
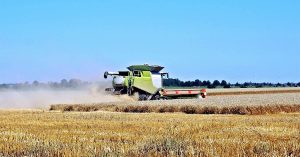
{"x":119,"y":80}
{"x":156,"y":79}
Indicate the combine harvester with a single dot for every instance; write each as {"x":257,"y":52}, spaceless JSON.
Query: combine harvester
{"x":145,"y":82}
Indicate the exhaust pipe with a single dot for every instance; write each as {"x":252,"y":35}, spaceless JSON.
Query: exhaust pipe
{"x":106,"y":74}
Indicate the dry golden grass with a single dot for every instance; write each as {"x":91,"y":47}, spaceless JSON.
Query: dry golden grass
{"x":229,"y":104}
{"x":37,"y":133}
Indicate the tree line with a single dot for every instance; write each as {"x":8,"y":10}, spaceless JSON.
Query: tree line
{"x":76,"y":83}
{"x":63,"y":84}
{"x":224,"y":84}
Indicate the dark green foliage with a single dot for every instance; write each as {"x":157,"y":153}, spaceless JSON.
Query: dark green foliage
{"x":216,"y":83}
{"x":223,"y":84}
{"x":76,"y":83}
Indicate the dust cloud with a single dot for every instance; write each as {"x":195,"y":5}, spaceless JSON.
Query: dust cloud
{"x":43,"y":98}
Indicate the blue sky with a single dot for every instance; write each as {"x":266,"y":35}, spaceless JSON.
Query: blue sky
{"x":250,"y":40}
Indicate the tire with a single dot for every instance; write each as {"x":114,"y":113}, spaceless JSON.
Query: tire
{"x":140,"y":97}
{"x":143,"y":97}
{"x":156,"y":97}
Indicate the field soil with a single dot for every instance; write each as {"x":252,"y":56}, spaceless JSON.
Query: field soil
{"x":244,"y":91}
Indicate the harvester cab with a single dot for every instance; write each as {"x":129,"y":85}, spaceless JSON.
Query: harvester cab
{"x":145,"y":82}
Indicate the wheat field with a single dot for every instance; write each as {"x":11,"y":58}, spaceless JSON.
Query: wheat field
{"x":43,"y":133}
{"x":258,"y":125}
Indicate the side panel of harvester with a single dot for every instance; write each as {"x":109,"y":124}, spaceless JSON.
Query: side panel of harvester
{"x":143,"y":82}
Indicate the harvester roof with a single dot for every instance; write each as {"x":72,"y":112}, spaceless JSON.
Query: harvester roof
{"x":145,"y":67}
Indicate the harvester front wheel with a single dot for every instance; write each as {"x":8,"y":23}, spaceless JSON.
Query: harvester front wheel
{"x":156,"y":97}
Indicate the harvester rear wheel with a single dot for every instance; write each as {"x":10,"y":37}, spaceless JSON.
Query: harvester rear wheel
{"x":143,"y":97}
{"x":140,"y":97}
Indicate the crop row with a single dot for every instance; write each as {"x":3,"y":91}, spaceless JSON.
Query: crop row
{"x":238,"y":104}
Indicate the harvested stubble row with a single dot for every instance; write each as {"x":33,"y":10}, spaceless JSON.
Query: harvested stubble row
{"x":211,"y":90}
{"x":238,"y":104}
{"x":246,"y":91}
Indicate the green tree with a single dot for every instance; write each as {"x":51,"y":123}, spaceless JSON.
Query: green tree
{"x":197,"y":83}
{"x":223,"y":83}
{"x":216,"y":83}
